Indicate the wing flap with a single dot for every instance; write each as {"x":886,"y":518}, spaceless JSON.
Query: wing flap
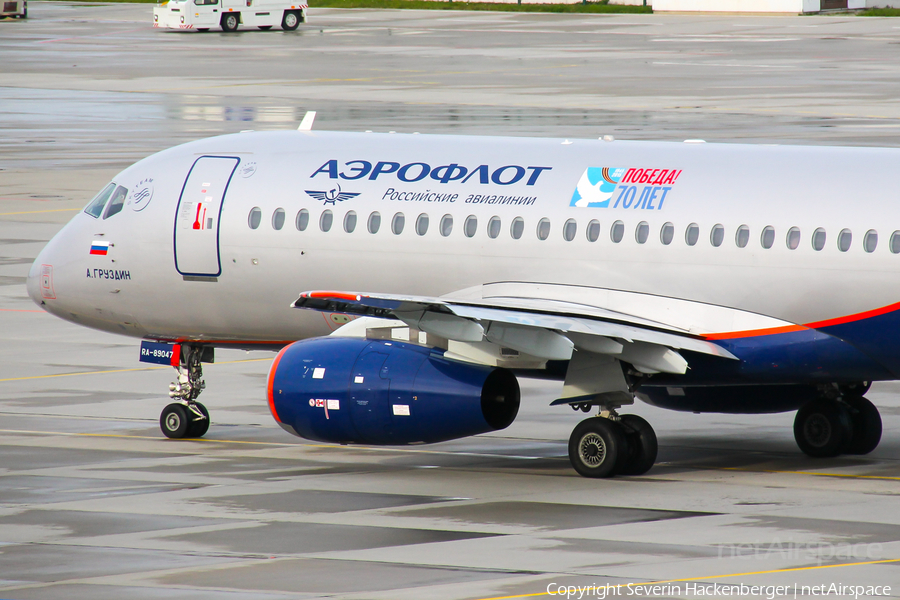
{"x":556,"y":316}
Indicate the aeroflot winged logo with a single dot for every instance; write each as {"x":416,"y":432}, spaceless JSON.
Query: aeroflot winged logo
{"x":599,"y":185}
{"x":332,"y":196}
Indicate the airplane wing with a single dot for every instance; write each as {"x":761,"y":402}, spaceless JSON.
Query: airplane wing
{"x":513,"y":315}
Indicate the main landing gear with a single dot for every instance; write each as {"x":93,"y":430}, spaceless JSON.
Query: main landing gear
{"x":186,"y":418}
{"x":845,"y":423}
{"x":610,"y":444}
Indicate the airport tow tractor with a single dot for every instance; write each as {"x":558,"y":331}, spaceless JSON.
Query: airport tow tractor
{"x":18,"y":9}
{"x":203,"y":15}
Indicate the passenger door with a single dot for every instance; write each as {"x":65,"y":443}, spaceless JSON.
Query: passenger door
{"x":197,"y":216}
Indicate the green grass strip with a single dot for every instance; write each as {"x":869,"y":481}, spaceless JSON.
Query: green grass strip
{"x":589,"y":7}
{"x":880,"y":12}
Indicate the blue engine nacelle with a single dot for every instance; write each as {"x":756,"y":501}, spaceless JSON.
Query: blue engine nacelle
{"x":386,"y":392}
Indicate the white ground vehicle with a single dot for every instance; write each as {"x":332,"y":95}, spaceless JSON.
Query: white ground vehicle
{"x":13,"y":8}
{"x":229,"y":14}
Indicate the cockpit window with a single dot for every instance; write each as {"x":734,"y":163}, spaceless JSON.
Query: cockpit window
{"x":96,"y":206}
{"x":117,"y":202}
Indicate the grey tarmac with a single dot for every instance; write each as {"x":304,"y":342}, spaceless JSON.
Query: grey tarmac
{"x":95,"y":503}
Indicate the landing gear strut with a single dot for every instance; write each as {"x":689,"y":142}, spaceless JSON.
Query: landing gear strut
{"x":609,"y":444}
{"x":186,"y":418}
{"x":841,"y":423}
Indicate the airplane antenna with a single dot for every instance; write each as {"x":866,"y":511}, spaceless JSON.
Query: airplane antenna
{"x":307,"y":122}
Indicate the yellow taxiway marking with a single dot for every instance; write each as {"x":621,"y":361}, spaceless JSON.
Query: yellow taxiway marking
{"x":814,"y":473}
{"x":229,"y":362}
{"x":34,"y":212}
{"x":335,"y":447}
{"x":723,"y":576}
{"x":144,"y":437}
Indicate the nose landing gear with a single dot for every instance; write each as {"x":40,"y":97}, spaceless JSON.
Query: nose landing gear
{"x":187,"y":418}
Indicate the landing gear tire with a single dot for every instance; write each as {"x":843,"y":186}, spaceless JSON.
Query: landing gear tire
{"x":641,"y":444}
{"x":823,"y":428}
{"x":230,"y":22}
{"x":198,"y":427}
{"x":187,"y":418}
{"x":290,"y":21}
{"x":175,"y":421}
{"x":866,"y":423}
{"x":595,"y":445}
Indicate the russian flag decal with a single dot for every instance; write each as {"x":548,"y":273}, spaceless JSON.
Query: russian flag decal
{"x":99,"y":248}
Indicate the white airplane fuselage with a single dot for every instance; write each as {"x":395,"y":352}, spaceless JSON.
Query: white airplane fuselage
{"x":259,"y":272}
{"x":784,"y":256}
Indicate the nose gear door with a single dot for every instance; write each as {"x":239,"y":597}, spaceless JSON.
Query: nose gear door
{"x":198,"y":213}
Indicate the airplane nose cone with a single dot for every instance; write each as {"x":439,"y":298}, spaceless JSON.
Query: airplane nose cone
{"x":39,"y":282}
{"x":32,"y":283}
{"x":53,"y":270}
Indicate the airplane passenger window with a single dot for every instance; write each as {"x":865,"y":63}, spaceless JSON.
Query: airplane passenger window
{"x":397,"y":223}
{"x":350,"y":222}
{"x":471,"y":226}
{"x":617,"y":231}
{"x":642,"y":232}
{"x":870,"y":240}
{"x":845,"y":238}
{"x":570,"y":229}
{"x":818,"y":239}
{"x":767,"y":238}
{"x":96,"y":205}
{"x":742,"y":237}
{"x":302,"y":220}
{"x":793,"y":238}
{"x":116,"y":203}
{"x":667,"y":234}
{"x":517,"y":228}
{"x":717,"y":235}
{"x":422,"y":224}
{"x":543,"y":229}
{"x":374,"y":222}
{"x":326,"y":220}
{"x":494,"y":227}
{"x":895,"y":242}
{"x":255,"y":217}
{"x":593,"y":230}
{"x":278,"y":219}
{"x":446,"y":225}
{"x":692,"y":234}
